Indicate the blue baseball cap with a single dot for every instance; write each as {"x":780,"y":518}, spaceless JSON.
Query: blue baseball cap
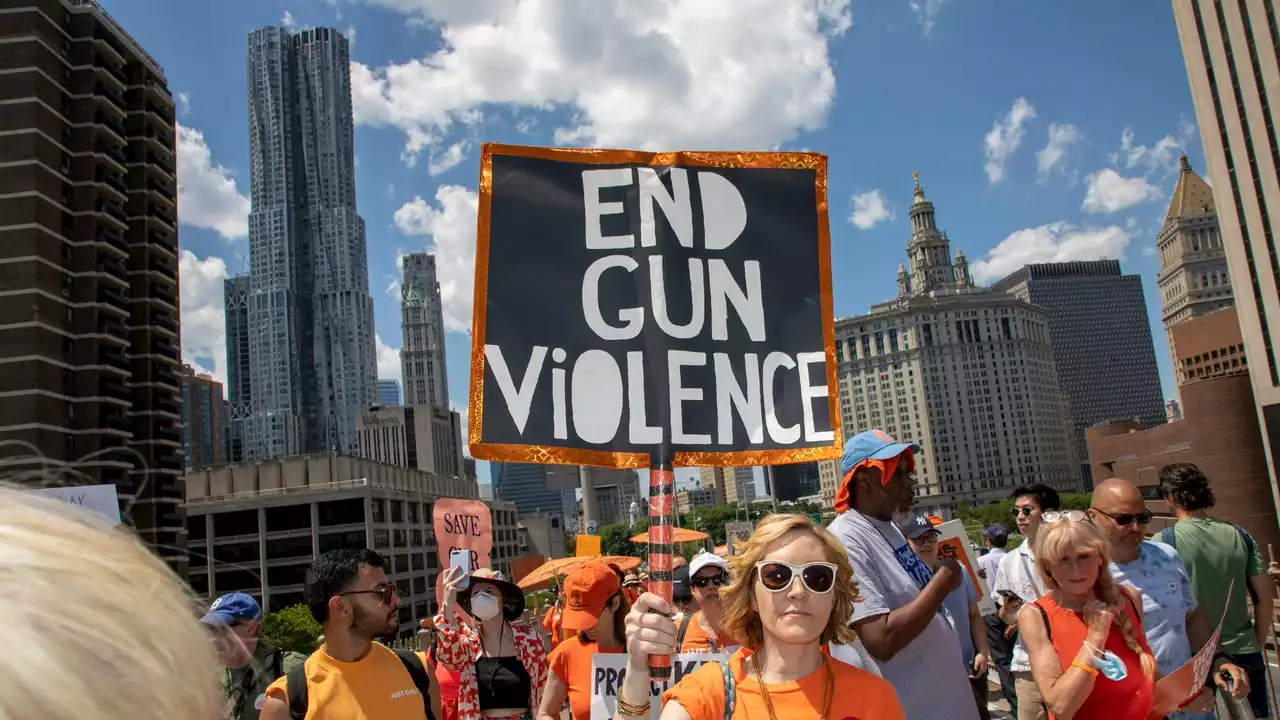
{"x":872,"y":445}
{"x":996,"y":531}
{"x":233,"y":608}
{"x":915,"y":526}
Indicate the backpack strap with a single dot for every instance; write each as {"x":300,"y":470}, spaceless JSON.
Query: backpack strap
{"x":1169,"y":537}
{"x":684,"y":628}
{"x":1048,"y":630}
{"x":277,"y":663}
{"x":296,"y":686}
{"x":730,"y":691}
{"x":421,"y":679}
{"x":1250,"y":548}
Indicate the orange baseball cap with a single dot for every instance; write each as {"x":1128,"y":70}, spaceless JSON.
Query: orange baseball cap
{"x":587,"y":589}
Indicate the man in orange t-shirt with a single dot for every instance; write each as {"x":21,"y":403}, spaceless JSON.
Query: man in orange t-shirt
{"x":707,"y":574}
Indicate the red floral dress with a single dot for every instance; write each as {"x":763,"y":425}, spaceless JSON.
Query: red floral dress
{"x":458,"y":648}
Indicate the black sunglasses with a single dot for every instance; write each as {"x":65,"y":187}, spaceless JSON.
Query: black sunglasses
{"x":385,"y":593}
{"x":1143,"y":517}
{"x":1024,"y":510}
{"x":719,"y":580}
{"x":776,"y":576}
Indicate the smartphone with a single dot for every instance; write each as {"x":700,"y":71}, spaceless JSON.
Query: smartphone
{"x":462,"y":559}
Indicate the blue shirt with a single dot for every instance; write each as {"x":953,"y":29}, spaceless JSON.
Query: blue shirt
{"x":1159,"y":575}
{"x":957,"y":603}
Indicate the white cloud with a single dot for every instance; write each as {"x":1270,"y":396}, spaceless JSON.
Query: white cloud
{"x":1005,"y":138}
{"x":448,"y":159}
{"x":647,"y":75}
{"x":351,"y":34}
{"x":1055,"y":242}
{"x":451,"y":224}
{"x":927,"y":13}
{"x":1149,"y":251}
{"x":184,"y":102}
{"x":1061,"y":138}
{"x":870,"y":209}
{"x":1162,"y":157}
{"x":1106,"y":191}
{"x":204,"y":329}
{"x":388,"y":360}
{"x":288,"y":20}
{"x":207,"y":193}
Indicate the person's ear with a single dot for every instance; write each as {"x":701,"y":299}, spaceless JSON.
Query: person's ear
{"x":338,"y":606}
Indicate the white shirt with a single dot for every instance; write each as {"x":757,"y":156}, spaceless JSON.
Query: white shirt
{"x":1018,"y":574}
{"x":990,"y":564}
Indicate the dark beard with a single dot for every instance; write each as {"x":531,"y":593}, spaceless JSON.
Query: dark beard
{"x":373,"y":626}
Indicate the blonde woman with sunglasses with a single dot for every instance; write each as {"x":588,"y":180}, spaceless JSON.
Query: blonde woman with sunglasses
{"x":1084,"y":636}
{"x":791,"y":591}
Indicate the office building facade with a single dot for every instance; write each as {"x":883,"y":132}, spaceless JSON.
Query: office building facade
{"x":256,"y":527}
{"x":615,"y":491}
{"x":89,"y":343}
{"x":794,"y":481}
{"x":420,"y":436}
{"x":1230,"y":49}
{"x":205,"y":421}
{"x":311,"y":342}
{"x":534,"y":488}
{"x":717,"y":480}
{"x":235,"y":296}
{"x":388,"y":392}
{"x":1101,"y":339}
{"x":966,"y":372}
{"x":422,"y":360}
{"x":740,"y":487}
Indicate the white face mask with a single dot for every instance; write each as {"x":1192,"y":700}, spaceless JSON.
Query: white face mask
{"x":485,"y":606}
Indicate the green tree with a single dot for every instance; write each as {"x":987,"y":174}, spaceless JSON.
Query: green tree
{"x":570,"y":544}
{"x":292,"y":628}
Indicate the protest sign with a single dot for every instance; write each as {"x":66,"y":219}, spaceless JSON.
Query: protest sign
{"x":102,"y":500}
{"x":609,"y":670}
{"x":954,"y":543}
{"x":587,"y":546}
{"x":736,"y":533}
{"x":1180,"y":688}
{"x":632,"y":304}
{"x":461,"y":525}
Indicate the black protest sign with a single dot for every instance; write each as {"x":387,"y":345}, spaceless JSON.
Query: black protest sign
{"x":631,"y":305}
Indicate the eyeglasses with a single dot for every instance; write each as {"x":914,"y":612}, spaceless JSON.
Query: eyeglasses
{"x":1054,"y":516}
{"x":1142,"y":518}
{"x":385,"y":593}
{"x":926,"y":539}
{"x":1025,"y":510}
{"x":719,"y":580}
{"x":818,"y":577}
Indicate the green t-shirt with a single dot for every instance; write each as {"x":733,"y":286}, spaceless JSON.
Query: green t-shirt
{"x":243,"y":695}
{"x":1215,"y":554}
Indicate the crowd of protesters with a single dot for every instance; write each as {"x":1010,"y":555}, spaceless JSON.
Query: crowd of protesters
{"x":863,"y":619}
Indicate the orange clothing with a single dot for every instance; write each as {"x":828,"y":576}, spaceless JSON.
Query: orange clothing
{"x":1128,"y":699}
{"x":697,"y":639}
{"x":551,"y":623}
{"x":855,"y":693}
{"x":376,"y":687}
{"x":571,"y":663}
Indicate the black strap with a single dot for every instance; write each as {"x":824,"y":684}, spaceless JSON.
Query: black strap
{"x":421,"y":678}
{"x":684,"y":627}
{"x":277,"y":663}
{"x":1048,"y":631}
{"x":296,"y":685}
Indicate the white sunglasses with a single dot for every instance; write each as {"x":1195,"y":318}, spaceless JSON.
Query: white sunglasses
{"x":818,"y":578}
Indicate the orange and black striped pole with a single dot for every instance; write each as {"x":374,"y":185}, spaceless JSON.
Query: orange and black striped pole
{"x":662,"y":495}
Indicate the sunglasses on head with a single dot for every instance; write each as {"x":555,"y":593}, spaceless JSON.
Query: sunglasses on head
{"x":385,"y":593}
{"x":719,"y":580}
{"x":818,"y":577}
{"x":1143,"y":517}
{"x":1054,"y":516}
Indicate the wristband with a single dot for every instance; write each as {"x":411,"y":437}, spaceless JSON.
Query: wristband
{"x":1091,"y":670}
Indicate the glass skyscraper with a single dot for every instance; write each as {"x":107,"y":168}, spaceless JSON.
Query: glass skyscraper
{"x":312,"y":361}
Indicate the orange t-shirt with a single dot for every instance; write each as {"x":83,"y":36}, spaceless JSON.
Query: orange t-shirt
{"x":376,"y":687}
{"x":697,"y":639}
{"x":855,"y":693}
{"x":571,"y":663}
{"x":551,"y":623}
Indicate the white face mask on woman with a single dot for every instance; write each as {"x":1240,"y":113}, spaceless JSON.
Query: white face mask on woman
{"x":485,"y":606}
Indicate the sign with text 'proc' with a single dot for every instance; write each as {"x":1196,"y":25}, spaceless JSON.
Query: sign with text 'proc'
{"x":609,"y":670}
{"x":632,"y":304}
{"x":461,"y":525}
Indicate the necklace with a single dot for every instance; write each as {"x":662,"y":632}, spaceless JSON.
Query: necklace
{"x":827,"y":689}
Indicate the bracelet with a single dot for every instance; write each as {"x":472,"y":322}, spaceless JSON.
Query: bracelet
{"x":1091,"y":670}
{"x":626,"y":708}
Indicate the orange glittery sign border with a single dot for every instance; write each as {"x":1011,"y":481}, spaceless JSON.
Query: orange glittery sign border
{"x":603,"y":458}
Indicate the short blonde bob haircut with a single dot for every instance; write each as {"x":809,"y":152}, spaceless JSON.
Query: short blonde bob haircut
{"x":95,"y":625}
{"x":741,"y":621}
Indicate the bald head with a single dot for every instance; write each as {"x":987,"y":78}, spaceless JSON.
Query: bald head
{"x":1117,"y":495}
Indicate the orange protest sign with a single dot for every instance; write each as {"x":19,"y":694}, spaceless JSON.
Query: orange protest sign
{"x":588,"y":546}
{"x":461,"y":525}
{"x":1182,"y":688}
{"x":954,"y":544}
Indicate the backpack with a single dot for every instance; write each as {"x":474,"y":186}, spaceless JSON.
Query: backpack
{"x":296,"y":684}
{"x":1170,"y":538}
{"x":237,"y":694}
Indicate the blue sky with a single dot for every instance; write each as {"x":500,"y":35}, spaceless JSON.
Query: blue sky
{"x":1042,"y":131}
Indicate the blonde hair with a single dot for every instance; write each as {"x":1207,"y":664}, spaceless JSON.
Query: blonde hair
{"x":1055,"y":541}
{"x":741,"y":621}
{"x":95,"y":625}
